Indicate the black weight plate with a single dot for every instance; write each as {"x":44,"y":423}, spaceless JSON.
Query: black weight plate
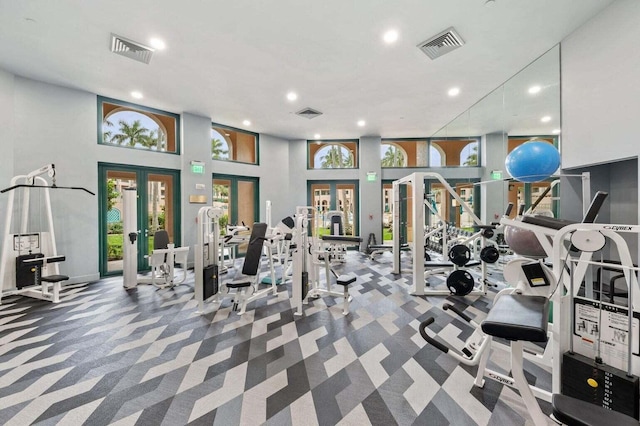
{"x":489,"y":254}
{"x":459,"y":255}
{"x":460,"y":283}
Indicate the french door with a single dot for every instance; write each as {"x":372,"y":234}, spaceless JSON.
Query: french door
{"x":158,"y":207}
{"x":334,"y":196}
{"x":238,"y":197}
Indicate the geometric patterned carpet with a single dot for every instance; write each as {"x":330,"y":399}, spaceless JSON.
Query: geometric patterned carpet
{"x":105,"y":355}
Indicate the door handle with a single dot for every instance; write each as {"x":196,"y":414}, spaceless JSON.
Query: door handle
{"x":146,"y":233}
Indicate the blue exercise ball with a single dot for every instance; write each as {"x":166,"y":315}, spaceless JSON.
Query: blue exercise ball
{"x":533,"y":161}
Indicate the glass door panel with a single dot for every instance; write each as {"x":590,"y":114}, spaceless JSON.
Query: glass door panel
{"x":221,"y":199}
{"x":387,"y":212}
{"x":238,"y":197}
{"x":159,"y":210}
{"x":345,"y":194}
{"x":116,"y":182}
{"x":321,"y":201}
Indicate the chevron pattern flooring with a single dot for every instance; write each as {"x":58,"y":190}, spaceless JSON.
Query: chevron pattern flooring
{"x":105,"y":355}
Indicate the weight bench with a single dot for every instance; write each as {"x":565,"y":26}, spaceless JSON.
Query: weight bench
{"x":43,"y":281}
{"x":519,"y":318}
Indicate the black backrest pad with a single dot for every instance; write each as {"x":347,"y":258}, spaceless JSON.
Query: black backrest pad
{"x":160,"y":239}
{"x":254,"y":250}
{"x":594,"y":207}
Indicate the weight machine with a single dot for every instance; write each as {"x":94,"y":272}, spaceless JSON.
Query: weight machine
{"x":29,"y":247}
{"x":416,"y":181}
{"x":161,"y":260}
{"x":309,"y":256}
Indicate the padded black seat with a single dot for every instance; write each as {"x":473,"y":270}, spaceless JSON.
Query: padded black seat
{"x":573,"y":411}
{"x":54,"y":278}
{"x":345,"y":280}
{"x":518,"y":317}
{"x":239,"y":284}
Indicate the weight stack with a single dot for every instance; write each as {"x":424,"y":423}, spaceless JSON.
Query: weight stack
{"x":26,"y":273}
{"x":210,"y":281}
{"x":601,"y":385}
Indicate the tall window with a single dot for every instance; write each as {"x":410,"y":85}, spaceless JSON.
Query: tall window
{"x":135,"y":126}
{"x":229,"y":144}
{"x":332,"y":154}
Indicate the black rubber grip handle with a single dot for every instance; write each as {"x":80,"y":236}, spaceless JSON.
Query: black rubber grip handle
{"x":423,"y":325}
{"x":461,"y":314}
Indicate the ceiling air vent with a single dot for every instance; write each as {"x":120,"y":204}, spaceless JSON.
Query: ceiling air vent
{"x":442,"y":43}
{"x":308,"y":113}
{"x":131,"y":49}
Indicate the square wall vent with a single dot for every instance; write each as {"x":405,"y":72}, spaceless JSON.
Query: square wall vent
{"x":131,"y":49}
{"x":441,"y":43}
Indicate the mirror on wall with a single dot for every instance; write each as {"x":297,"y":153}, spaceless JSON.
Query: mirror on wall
{"x":525,"y":107}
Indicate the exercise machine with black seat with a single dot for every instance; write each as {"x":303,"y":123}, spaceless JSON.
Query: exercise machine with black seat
{"x":162,"y":259}
{"x":30,"y":261}
{"x":244,"y":287}
{"x":309,"y":255}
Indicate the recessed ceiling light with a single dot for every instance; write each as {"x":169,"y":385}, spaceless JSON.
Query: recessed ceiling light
{"x":156,"y":43}
{"x":555,"y":131}
{"x":390,"y":36}
{"x":361,"y":123}
{"x":316,"y":136}
{"x":545,"y":119}
{"x":534,"y":89}
{"x":292,"y":96}
{"x":246,"y":123}
{"x":454,"y":91}
{"x":136,"y":95}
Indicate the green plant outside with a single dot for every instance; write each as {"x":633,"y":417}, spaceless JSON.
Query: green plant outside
{"x":114,"y":246}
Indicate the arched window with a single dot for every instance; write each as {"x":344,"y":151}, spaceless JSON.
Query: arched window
{"x":137,"y":127}
{"x":392,"y":155}
{"x":437,"y":157}
{"x":231,"y":144}
{"x":221,"y":147}
{"x":333,"y":156}
{"x":469,"y":154}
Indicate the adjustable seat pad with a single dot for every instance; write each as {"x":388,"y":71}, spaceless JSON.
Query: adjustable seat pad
{"x":518,"y":317}
{"x":345,"y":279}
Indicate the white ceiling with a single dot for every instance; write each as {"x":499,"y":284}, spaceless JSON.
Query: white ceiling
{"x":236,"y":59}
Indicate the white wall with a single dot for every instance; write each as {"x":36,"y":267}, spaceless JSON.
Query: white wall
{"x":274,"y":178}
{"x":58,"y":125}
{"x":601,"y":87}
{"x":6,"y":138}
{"x":195,"y":146}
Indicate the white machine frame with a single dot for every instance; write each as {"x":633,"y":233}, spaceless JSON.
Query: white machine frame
{"x":416,"y":180}
{"x":26,"y":241}
{"x":161,"y":261}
